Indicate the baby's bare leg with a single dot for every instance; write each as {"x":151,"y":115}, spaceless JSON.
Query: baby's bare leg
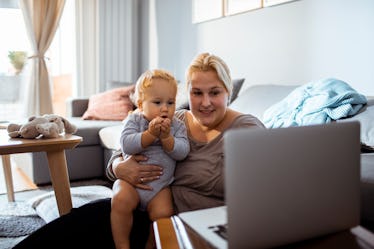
{"x":161,"y":206}
{"x":125,"y":200}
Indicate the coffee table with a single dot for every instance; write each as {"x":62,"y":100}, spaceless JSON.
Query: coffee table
{"x":55,"y":150}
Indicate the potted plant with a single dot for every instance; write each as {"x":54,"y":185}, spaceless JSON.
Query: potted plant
{"x":17,"y":59}
{"x":10,"y":85}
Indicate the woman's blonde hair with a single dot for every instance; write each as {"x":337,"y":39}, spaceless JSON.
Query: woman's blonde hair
{"x":146,"y":79}
{"x":208,"y":62}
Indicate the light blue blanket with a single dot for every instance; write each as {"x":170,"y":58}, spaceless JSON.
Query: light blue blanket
{"x":315,"y":103}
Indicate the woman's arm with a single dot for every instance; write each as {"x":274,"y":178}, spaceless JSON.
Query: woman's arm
{"x":131,"y":171}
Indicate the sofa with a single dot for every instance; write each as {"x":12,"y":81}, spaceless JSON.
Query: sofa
{"x":100,"y":138}
{"x":90,"y":115}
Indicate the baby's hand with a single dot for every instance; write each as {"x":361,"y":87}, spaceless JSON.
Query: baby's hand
{"x":165,"y":128}
{"x":154,"y":126}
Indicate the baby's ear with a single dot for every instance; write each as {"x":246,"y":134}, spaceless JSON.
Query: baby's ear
{"x":139,"y":104}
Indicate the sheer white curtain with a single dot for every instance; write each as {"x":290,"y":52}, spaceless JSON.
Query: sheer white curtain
{"x":41,"y":19}
{"x":87,"y":45}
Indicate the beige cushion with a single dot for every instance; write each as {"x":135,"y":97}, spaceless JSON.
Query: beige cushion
{"x":109,"y":136}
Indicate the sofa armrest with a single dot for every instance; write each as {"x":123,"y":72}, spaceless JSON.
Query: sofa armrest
{"x":75,"y":107}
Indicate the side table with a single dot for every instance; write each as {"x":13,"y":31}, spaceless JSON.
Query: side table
{"x":55,"y":149}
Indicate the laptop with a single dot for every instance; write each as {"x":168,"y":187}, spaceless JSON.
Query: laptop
{"x":285,"y":185}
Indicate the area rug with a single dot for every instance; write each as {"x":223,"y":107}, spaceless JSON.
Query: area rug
{"x":45,"y":204}
{"x":18,"y":219}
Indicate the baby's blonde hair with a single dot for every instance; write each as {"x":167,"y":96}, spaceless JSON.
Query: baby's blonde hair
{"x":146,"y":79}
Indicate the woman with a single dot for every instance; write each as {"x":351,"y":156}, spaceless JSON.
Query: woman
{"x":198,"y":178}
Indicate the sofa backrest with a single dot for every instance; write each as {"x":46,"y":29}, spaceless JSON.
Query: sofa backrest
{"x":256,"y":99}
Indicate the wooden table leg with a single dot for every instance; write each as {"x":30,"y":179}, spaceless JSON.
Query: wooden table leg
{"x":60,"y":180}
{"x":8,"y":177}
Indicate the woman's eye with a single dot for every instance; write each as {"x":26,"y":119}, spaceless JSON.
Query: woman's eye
{"x":215,"y":93}
{"x":197,"y":93}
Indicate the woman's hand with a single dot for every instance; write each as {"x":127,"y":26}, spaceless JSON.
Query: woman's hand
{"x":135,"y":174}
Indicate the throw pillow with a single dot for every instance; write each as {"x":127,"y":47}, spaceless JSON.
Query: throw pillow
{"x":116,"y":84}
{"x":237,"y":85}
{"x":113,"y":104}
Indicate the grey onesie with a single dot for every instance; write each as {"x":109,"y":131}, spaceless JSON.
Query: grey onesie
{"x":135,"y":124}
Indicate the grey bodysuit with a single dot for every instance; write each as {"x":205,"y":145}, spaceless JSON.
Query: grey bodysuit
{"x":135,"y":124}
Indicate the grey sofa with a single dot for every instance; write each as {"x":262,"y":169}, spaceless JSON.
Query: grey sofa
{"x":87,"y":159}
{"x":100,"y":138}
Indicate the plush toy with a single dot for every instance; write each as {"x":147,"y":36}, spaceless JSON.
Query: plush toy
{"x":48,"y":126}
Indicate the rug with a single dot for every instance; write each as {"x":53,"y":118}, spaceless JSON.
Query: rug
{"x":9,"y":243}
{"x":46,"y":207}
{"x":18,"y":219}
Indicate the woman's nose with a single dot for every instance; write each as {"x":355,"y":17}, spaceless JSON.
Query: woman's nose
{"x":206,"y":100}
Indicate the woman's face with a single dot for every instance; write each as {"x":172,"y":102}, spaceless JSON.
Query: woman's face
{"x":208,"y":98}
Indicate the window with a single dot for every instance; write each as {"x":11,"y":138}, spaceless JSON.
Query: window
{"x":61,"y":62}
{"x":11,"y":46}
{"x":205,"y":10}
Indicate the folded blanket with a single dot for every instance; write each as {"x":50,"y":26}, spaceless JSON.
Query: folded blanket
{"x":315,"y":103}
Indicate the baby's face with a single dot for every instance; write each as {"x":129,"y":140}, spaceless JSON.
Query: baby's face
{"x":159,"y":100}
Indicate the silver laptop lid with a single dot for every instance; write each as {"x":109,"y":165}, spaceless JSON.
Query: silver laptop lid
{"x":288,"y":184}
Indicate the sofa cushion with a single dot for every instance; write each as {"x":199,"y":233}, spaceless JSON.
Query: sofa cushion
{"x":256,"y":99}
{"x":89,"y":129}
{"x":109,"y":137}
{"x":113,"y":104}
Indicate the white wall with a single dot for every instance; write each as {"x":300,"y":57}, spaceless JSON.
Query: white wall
{"x":292,"y":43}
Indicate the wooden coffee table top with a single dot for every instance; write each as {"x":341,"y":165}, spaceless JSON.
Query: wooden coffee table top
{"x":20,"y":145}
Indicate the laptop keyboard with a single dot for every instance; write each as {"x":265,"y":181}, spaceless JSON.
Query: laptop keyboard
{"x":220,"y":230}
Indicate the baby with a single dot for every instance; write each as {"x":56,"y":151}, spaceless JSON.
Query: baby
{"x":151,"y":130}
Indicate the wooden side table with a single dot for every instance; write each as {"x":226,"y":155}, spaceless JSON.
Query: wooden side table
{"x":55,"y":149}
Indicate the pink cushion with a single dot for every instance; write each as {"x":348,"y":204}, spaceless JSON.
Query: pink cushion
{"x":110,"y":105}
